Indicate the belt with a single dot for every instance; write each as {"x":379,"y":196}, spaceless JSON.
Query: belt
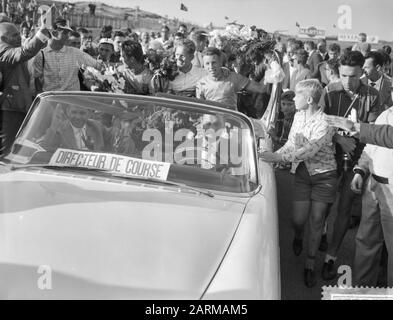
{"x":380,"y":179}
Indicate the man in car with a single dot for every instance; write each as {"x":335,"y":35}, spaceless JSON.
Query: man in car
{"x":71,"y":128}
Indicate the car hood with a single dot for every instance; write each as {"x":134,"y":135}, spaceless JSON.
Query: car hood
{"x":77,"y":237}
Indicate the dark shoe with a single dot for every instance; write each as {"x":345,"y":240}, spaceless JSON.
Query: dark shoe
{"x":297,"y":246}
{"x":310,"y":279}
{"x":329,"y":271}
{"x":323,"y":245}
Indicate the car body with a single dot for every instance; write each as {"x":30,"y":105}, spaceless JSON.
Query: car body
{"x":75,"y":227}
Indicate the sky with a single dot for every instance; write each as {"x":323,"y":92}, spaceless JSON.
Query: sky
{"x":372,"y":17}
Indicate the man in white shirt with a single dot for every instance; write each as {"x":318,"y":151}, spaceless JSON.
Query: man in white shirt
{"x":377,"y":209}
{"x":185,"y":82}
{"x":373,"y":68}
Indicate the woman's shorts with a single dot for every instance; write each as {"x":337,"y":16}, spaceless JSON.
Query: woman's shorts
{"x":321,"y":187}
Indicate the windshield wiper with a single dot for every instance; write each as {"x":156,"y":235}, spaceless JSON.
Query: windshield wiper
{"x":171,"y":183}
{"x":113,"y":174}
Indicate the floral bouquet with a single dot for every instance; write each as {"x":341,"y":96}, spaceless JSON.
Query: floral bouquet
{"x":106,"y":80}
{"x":164,"y":69}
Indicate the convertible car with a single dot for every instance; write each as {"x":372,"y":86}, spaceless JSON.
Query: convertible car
{"x":107,"y":196}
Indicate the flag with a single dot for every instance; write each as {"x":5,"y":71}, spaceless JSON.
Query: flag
{"x":183,"y":7}
{"x":297,"y":24}
{"x":226,"y":18}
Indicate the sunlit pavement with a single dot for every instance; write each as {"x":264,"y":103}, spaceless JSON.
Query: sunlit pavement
{"x":292,"y":285}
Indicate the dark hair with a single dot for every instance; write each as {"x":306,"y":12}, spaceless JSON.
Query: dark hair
{"x":362,"y":34}
{"x":119,"y":34}
{"x":165,"y":27}
{"x":385,"y":56}
{"x":82,"y":30}
{"x":75,"y":34}
{"x":335,"y":47}
{"x":106,"y":29}
{"x":310,"y":43}
{"x":133,"y":49}
{"x":288,"y":96}
{"x":334,"y":65}
{"x":302,"y":56}
{"x":179,"y":34}
{"x":182,"y":25}
{"x":199,"y":35}
{"x":211,"y":51}
{"x":352,"y":59}
{"x":387,"y":49}
{"x":376,"y":57}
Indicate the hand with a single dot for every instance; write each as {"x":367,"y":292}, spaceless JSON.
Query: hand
{"x":340,"y":122}
{"x":270,"y":156}
{"x":347,"y":144}
{"x":357,"y":184}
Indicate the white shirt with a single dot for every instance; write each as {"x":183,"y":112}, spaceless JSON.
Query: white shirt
{"x":378,"y":83}
{"x":198,"y":59}
{"x":378,"y":160}
{"x":79,"y":133}
{"x":187,"y":81}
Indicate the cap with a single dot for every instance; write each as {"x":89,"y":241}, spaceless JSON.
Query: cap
{"x":61,"y":23}
{"x":106,"y":40}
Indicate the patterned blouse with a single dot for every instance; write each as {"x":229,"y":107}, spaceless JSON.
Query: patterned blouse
{"x":310,"y":141}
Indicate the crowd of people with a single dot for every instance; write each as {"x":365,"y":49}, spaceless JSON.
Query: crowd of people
{"x":327,"y":95}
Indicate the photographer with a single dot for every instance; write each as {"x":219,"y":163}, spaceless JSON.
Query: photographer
{"x":347,"y":98}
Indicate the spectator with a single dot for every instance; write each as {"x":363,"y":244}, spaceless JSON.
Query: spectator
{"x":183,"y":29}
{"x":376,"y":225}
{"x":338,"y":99}
{"x":314,"y":58}
{"x":74,"y":40}
{"x":106,"y":32}
{"x":311,"y":151}
{"x":301,"y":71}
{"x":321,"y":48}
{"x":145,"y":41}
{"x":200,"y":40}
{"x":288,"y":67}
{"x":25,"y":33}
{"x":373,"y":69}
{"x":323,"y":68}
{"x":57,"y":67}
{"x":283,"y":125}
{"x":16,"y":95}
{"x":179,"y":36}
{"x":221,"y":85}
{"x":333,"y":70}
{"x":362,"y":45}
{"x":185,"y":82}
{"x":118,"y":40}
{"x":387,"y":63}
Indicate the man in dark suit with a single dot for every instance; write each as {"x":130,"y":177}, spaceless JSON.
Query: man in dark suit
{"x":314,"y":58}
{"x":16,"y":96}
{"x":71,"y":129}
{"x":373,"y":68}
{"x":321,"y":48}
{"x":288,"y":67}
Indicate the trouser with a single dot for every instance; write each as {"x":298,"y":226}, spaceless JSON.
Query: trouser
{"x":10,"y":122}
{"x":376,"y":225}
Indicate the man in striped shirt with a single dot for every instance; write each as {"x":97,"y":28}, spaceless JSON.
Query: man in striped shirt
{"x":56,"y":67}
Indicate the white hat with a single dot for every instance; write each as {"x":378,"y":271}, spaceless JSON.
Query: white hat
{"x":106,"y":40}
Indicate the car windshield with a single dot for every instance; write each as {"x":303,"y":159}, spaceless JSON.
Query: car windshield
{"x":138,"y":137}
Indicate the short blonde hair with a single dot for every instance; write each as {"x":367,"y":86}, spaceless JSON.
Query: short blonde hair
{"x":312,"y":87}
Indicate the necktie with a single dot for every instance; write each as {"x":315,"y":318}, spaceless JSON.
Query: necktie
{"x":373,"y":84}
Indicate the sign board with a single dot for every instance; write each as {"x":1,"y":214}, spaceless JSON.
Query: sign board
{"x":47,"y":15}
{"x":312,"y":32}
{"x":355,"y":38}
{"x":111,"y":162}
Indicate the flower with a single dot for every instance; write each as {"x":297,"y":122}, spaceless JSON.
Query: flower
{"x":106,"y":80}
